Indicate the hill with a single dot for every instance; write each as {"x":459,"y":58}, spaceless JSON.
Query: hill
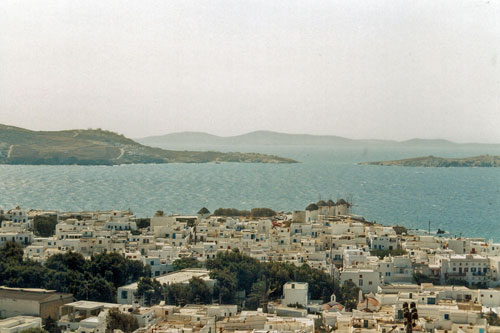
{"x":269,"y":138}
{"x":432,"y":161}
{"x":99,"y":147}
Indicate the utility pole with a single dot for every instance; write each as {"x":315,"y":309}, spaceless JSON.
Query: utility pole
{"x":429,"y":227}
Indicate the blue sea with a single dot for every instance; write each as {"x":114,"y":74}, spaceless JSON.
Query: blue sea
{"x":459,"y":200}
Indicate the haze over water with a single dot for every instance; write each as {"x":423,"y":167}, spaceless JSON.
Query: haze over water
{"x":458,"y":200}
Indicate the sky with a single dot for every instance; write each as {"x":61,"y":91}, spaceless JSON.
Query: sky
{"x":372,"y":69}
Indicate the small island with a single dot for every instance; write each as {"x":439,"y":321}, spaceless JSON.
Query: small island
{"x":100,"y":147}
{"x":485,"y":161}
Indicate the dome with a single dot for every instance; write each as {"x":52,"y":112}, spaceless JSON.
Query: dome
{"x":321,"y":203}
{"x":312,"y":207}
{"x":203,"y":211}
{"x":342,"y":202}
{"x":330,"y":203}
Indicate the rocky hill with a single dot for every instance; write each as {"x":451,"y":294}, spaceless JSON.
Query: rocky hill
{"x":99,"y":147}
{"x":432,"y":161}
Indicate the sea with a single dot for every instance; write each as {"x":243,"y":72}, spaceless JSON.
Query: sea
{"x":460,"y":201}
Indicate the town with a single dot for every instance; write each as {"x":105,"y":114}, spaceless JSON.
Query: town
{"x":320,"y":269}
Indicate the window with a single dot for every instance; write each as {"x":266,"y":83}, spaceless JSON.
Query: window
{"x":124,"y":294}
{"x":446,"y":316}
{"x":360,"y":283}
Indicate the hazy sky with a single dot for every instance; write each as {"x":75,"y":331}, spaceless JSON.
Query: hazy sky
{"x":393,"y":69}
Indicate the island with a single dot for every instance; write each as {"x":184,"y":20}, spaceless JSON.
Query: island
{"x":487,"y":161}
{"x":100,"y":147}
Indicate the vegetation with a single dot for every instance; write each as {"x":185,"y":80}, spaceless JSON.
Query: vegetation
{"x":384,"y":253}
{"x":96,"y":279}
{"x":400,"y":230}
{"x":492,"y":319}
{"x":254,"y":212}
{"x":432,"y":161}
{"x":263,"y":281}
{"x":143,"y":223}
{"x":196,"y":292}
{"x":98,"y":147}
{"x":186,"y":262}
{"x":117,"y":320}
{"x":149,"y":289}
{"x":159,"y":213}
{"x":422,"y":278}
{"x":349,"y":293}
{"x":44,"y":226}
{"x":50,"y":325}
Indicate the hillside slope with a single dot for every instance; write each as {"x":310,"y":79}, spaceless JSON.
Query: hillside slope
{"x":269,"y":138}
{"x":98,"y":147}
{"x":432,"y":161}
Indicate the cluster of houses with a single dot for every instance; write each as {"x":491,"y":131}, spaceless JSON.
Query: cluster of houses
{"x":451,"y":281}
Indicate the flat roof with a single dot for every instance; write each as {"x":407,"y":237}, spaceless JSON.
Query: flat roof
{"x":89,"y":305}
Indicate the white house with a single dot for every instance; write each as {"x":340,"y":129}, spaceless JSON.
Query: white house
{"x":295,"y":293}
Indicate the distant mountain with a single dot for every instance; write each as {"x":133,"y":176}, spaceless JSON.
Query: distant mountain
{"x":269,"y":138}
{"x":98,"y":147}
{"x":258,"y":138}
{"x":432,"y":161}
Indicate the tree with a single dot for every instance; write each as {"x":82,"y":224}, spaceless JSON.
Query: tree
{"x":422,"y":278}
{"x":262,"y":212}
{"x":143,"y":223}
{"x":159,"y":213}
{"x":44,"y":226}
{"x":259,"y":296}
{"x":69,"y":261}
{"x":199,"y":292}
{"x":50,"y":325}
{"x":349,"y":294}
{"x":492,"y":319}
{"x":176,"y":294}
{"x":151,"y":290}
{"x":225,"y":287}
{"x":186,"y":262}
{"x":11,"y":252}
{"x":117,"y":320}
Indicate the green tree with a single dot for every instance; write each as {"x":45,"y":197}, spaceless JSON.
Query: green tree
{"x":143,"y":223}
{"x":69,"y":261}
{"x":198,"y":292}
{"x":185,"y":262}
{"x":492,"y":319}
{"x":259,"y":296}
{"x":349,"y":294}
{"x":262,"y":212}
{"x":151,"y":290}
{"x":225,"y":287}
{"x":422,"y":278}
{"x":50,"y":325}
{"x":159,"y":213}
{"x":117,"y":320}
{"x":44,"y":226}
{"x":11,"y":252}
{"x":176,"y":294}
